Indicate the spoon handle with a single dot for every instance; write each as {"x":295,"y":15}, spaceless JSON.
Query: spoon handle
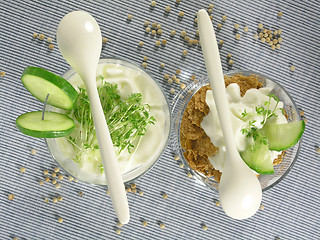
{"x":214,"y":69}
{"x":108,"y":156}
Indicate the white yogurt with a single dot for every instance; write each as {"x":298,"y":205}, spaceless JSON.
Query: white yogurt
{"x":253,"y":98}
{"x":130,"y":79}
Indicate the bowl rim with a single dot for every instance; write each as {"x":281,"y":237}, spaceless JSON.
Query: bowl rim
{"x":70,"y":72}
{"x":203,"y":80}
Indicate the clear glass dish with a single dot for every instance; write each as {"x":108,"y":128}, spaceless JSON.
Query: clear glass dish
{"x":267,"y":181}
{"x":161,"y":106}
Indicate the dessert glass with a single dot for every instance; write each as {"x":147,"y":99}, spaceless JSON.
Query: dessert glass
{"x":267,"y":181}
{"x":72,"y":168}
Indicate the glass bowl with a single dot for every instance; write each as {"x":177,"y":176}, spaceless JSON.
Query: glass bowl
{"x":267,"y":181}
{"x":150,"y":147}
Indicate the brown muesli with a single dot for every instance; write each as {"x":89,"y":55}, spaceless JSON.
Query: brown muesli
{"x":196,"y":143}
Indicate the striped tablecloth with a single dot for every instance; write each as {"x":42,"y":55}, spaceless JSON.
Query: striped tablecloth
{"x":291,"y":208}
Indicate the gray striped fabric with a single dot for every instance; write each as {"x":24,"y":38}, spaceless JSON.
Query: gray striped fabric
{"x":292,"y":208}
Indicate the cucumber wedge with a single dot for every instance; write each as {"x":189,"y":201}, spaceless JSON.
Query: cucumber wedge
{"x":258,"y":157}
{"x":41,"y":82}
{"x":283,"y":136}
{"x":54,"y":124}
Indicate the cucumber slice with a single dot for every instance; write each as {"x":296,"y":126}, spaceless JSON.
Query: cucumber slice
{"x":41,"y":82}
{"x":283,"y":136}
{"x":258,"y":157}
{"x":54,"y":124}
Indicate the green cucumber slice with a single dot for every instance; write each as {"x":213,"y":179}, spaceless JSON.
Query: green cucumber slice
{"x":54,"y":124}
{"x":258,"y":157}
{"x":41,"y":82}
{"x":283,"y":136}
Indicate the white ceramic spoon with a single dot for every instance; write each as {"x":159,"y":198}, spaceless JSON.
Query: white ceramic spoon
{"x":79,"y":40}
{"x":239,"y":190}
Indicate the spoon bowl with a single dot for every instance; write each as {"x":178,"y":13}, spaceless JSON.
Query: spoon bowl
{"x":79,"y":40}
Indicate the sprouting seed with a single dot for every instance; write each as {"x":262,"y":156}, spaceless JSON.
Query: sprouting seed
{"x":148,"y":29}
{"x":181,"y":14}
{"x":184,"y":52}
{"x":238,"y":36}
{"x":60,"y":220}
{"x":144,"y":223}
{"x":55,"y":200}
{"x":35,"y":35}
{"x":33,"y":151}
{"x":292,"y":68}
{"x":22,"y":169}
{"x":183,"y":33}
{"x":144,"y":65}
{"x":153,"y":32}
{"x":146,"y":23}
{"x":173,"y":32}
{"x":172,"y":90}
{"x":129,"y":17}
{"x":10,"y":197}
{"x":224,"y":18}
{"x":219,"y":25}
{"x":166,"y":76}
{"x":231,"y":62}
{"x":164,"y":42}
{"x":153,"y":3}
{"x":167,"y":9}
{"x":162,"y":225}
{"x":41,"y":36}
{"x":104,"y":40}
{"x":141,"y":43}
{"x":162,"y":65}
{"x":236,"y":26}
{"x":145,"y":58}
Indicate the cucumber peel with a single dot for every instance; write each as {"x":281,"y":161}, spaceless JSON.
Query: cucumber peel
{"x":283,"y":136}
{"x":40,"y":82}
{"x":257,"y":157}
{"x":54,"y":124}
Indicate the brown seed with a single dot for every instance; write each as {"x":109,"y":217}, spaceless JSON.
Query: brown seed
{"x":178,"y":71}
{"x":211,"y":18}
{"x":263,"y":40}
{"x":190,"y":41}
{"x":260,"y":35}
{"x":128,"y":189}
{"x":193,"y":77}
{"x":229,"y":56}
{"x":76,"y":180}
{"x":301,"y":113}
{"x":275,"y":41}
{"x":278,"y":46}
{"x":264,"y":30}
{"x":267,"y":39}
{"x":177,"y":80}
{"x":80,"y":194}
{"x":108,"y":192}
{"x":221,"y":42}
{"x":154,"y":25}
{"x":195,"y":41}
{"x":134,"y":190}
{"x":51,"y":46}
{"x":269,"y":31}
{"x":10,"y":197}
{"x":279,"y":31}
{"x":158,"y":26}
{"x":271,"y":43}
{"x":41,"y":36}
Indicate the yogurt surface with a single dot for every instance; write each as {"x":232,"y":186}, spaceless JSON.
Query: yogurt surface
{"x":130,"y":79}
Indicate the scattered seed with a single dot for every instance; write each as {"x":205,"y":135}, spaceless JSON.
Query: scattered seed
{"x":217,"y":203}
{"x":267,"y":39}
{"x":162,"y":65}
{"x":280,"y":14}
{"x":118,"y":231}
{"x":273,"y":47}
{"x":153,"y":3}
{"x":70,"y":178}
{"x":196,"y":20}
{"x":173,"y":32}
{"x":146,"y":23}
{"x":47,"y":179}
{"x":133,"y":185}
{"x":186,"y":38}
{"x":178,"y":71}
{"x":236,"y":26}
{"x":193,"y":77}
{"x":148,"y":29}
{"x":181,"y":14}
{"x":224,"y":18}
{"x":256,"y":36}
{"x":167,"y":9}
{"x":260,"y":25}
{"x":154,"y":25}
{"x":181,"y":165}
{"x":189,"y":174}
{"x":41,"y":36}
{"x":33,"y":151}
{"x":153,"y":32}
{"x":46,"y":200}
{"x":141,"y":43}
{"x":144,"y":64}
{"x":270,"y":43}
{"x":145,"y":58}
{"x":108,"y":192}
{"x":76,"y":180}
{"x":229,"y":55}
{"x":54,"y":181}
{"x":245,"y":29}
{"x":144,"y":223}
{"x":219,"y":25}
{"x":305,"y":120}
{"x":278,"y":46}
{"x":178,"y":1}
{"x":170,"y":81}
{"x":35,"y":35}
{"x":60,"y":220}
{"x":55,"y":200}
{"x":2,"y":74}
{"x":80,"y":194}
{"x":162,"y":225}
{"x":164,"y":42}
{"x":119,"y":224}
{"x":231,"y":62}
{"x":210,"y":6}
{"x":292,"y":68}
{"x":279,"y":31}
{"x":209,"y":10}
{"x":56,"y":169}
{"x":204,"y":227}
{"x":210,"y":17}
{"x":40,"y":182}
{"x":238,"y":36}
{"x":140,"y":193}
{"x":49,"y":40}
{"x":184,"y":52}
{"x":57,"y":185}
{"x":128,"y":189}
{"x":301,"y":113}
{"x":172,"y":91}
{"x":60,"y":198}
{"x":221,"y":42}
{"x":318,"y":150}
{"x":15,"y":238}
{"x":177,"y":80}
{"x":159,"y":31}
{"x":158,"y":26}
{"x":129,"y":17}
{"x":279,"y":40}
{"x":183,"y":33}
{"x":166,"y":76}
{"x":22,"y":169}
{"x":60,"y":177}
{"x":104,"y":40}
{"x":261,"y":207}
{"x":134,"y":190}
{"x":10,"y":197}
{"x":53,"y":174}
